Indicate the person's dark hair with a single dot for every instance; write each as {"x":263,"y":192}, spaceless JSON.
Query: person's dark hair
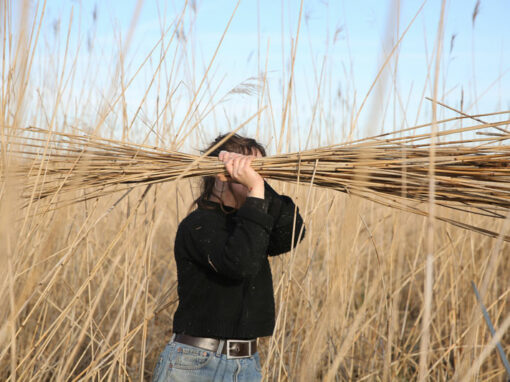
{"x":237,"y":144}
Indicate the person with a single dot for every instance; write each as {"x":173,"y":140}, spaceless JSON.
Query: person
{"x":224,"y":278}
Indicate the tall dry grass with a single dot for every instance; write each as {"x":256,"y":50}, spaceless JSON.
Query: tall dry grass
{"x":88,"y":291}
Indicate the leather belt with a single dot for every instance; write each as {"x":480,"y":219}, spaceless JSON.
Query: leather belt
{"x":232,"y":348}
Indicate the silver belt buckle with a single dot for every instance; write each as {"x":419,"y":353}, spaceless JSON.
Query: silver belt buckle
{"x":238,"y":356}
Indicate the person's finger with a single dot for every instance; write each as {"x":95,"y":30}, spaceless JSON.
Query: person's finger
{"x":227,"y":156}
{"x":237,"y":164}
{"x":221,"y":155}
{"x":229,"y":166}
{"x":233,"y":155}
{"x":242,"y":165}
{"x":234,"y":167}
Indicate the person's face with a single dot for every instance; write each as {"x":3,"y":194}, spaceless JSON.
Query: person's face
{"x":239,"y":190}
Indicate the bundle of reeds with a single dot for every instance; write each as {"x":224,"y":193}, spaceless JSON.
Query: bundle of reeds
{"x":471,"y":174}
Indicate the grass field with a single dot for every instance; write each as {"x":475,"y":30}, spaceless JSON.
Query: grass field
{"x":88,"y":291}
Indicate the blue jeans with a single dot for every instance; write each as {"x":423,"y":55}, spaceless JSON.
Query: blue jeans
{"x":183,"y":363}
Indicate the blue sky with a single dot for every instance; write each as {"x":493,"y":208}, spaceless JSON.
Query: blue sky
{"x":346,"y":40}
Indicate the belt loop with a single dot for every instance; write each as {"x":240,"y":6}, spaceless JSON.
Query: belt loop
{"x":220,"y":348}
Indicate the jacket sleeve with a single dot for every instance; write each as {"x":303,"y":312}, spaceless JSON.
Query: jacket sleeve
{"x":238,"y":255}
{"x":283,"y":210}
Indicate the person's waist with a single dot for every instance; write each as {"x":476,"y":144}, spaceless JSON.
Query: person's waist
{"x":233,"y":348}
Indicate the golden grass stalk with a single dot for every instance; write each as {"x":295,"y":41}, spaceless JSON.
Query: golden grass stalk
{"x":471,"y":174}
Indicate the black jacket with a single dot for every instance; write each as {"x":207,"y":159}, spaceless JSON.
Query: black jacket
{"x":224,"y":280}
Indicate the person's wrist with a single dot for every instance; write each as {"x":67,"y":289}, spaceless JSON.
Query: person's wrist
{"x":257,"y":190}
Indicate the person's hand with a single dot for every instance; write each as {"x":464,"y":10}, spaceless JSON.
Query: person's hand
{"x":239,"y":168}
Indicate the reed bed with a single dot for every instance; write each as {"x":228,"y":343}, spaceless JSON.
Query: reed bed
{"x":95,"y":291}
{"x":88,"y":290}
{"x":471,"y":175}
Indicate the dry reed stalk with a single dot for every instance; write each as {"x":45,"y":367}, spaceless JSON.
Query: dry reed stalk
{"x":432,"y":171}
{"x":471,"y":175}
